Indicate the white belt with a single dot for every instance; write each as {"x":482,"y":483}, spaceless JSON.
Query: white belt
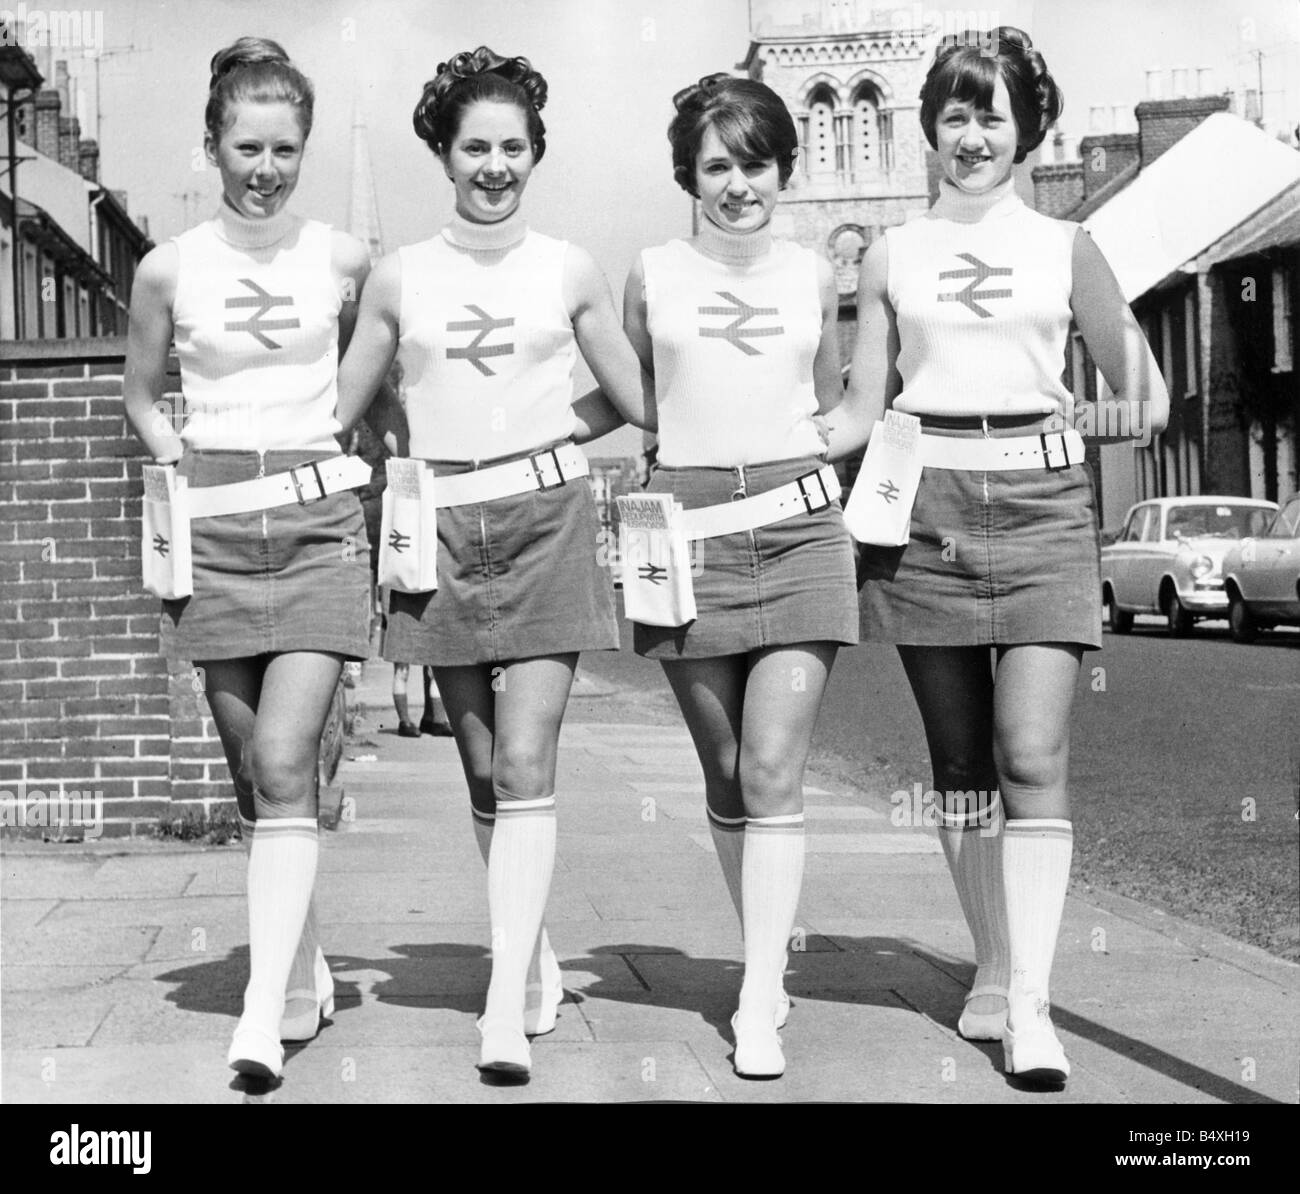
{"x":1051,"y":450}
{"x":542,"y":470}
{"x":305,"y":483}
{"x":805,"y":495}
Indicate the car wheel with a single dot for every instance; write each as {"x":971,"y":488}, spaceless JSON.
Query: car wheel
{"x":1120,"y":621}
{"x":1240,"y":620}
{"x":1180,"y":621}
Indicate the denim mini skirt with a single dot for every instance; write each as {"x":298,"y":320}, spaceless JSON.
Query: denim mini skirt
{"x":785,"y":583}
{"x":291,"y":578}
{"x":518,"y":577}
{"x":995,"y":558}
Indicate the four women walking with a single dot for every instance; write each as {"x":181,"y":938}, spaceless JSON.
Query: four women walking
{"x":991,"y":600}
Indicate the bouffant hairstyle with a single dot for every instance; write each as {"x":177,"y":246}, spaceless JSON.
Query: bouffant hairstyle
{"x":256,"y":70}
{"x":966,"y":68}
{"x":749,"y":118}
{"x":469,"y":77}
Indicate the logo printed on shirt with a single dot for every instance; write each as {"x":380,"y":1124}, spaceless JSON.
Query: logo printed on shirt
{"x":735,"y":331}
{"x":475,"y":351}
{"x":255,"y":325}
{"x":971,"y":295}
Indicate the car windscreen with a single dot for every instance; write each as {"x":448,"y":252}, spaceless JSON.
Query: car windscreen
{"x":1217,"y":522}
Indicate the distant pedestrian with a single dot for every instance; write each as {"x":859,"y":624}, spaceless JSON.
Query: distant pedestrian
{"x":740,"y":331}
{"x":486,"y":320}
{"x":963,"y":317}
{"x":260,"y":303}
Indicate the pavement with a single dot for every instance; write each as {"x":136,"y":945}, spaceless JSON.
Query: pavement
{"x":124,"y":962}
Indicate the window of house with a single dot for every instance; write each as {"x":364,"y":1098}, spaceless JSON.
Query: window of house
{"x":821,"y":134}
{"x":866,"y":134}
{"x":1281,"y":320}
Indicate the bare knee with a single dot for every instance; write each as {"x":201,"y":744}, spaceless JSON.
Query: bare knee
{"x":283,"y":779}
{"x":523,"y":769}
{"x":771,"y":782}
{"x":1030,"y":768}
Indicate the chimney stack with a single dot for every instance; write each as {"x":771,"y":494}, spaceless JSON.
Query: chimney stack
{"x":88,"y":160}
{"x":1163,"y":123}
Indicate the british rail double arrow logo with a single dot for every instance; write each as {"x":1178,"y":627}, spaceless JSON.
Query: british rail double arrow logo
{"x":971,"y":295}
{"x":398,"y":541}
{"x":160,"y":545}
{"x":255,"y":325}
{"x":475,"y":351}
{"x":736,"y":331}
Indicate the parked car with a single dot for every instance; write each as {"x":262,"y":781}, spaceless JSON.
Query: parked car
{"x":1168,"y":559}
{"x":1262,"y":577}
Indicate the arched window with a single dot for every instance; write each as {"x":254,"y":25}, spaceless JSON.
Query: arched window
{"x":866,"y":134}
{"x":821,"y":133}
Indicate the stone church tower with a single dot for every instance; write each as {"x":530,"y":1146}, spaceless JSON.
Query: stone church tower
{"x":851,"y":73}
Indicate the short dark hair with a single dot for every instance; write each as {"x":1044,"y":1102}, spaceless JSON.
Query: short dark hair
{"x":475,"y":75}
{"x":749,"y":118}
{"x":256,"y":70}
{"x":966,"y":67}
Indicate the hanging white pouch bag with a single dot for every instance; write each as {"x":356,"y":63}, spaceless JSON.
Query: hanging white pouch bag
{"x":165,"y":560}
{"x":654,"y":560}
{"x":879,"y":510}
{"x":408,"y":547}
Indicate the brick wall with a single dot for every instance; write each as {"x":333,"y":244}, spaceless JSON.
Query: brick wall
{"x":1105,"y":155}
{"x":1058,"y":189}
{"x":86,"y":701}
{"x":1162,"y":123}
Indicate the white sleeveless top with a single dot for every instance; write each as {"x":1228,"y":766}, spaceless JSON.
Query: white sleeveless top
{"x":734,"y":344}
{"x":255,"y":320}
{"x":486,"y":346}
{"x":981,"y":289}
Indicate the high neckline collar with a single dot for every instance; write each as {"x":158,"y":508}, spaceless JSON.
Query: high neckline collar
{"x":964,"y":208}
{"x":246,"y":233}
{"x":733,"y":248}
{"x":503,"y":234}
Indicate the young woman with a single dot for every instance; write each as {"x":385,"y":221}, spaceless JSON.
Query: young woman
{"x":486,"y":319}
{"x":259,"y":303}
{"x":963,"y":317}
{"x":739,"y":331}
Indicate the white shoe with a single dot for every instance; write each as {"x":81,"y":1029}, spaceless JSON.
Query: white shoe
{"x":782,"y":1008}
{"x":983,"y":1026}
{"x":255,"y":1053}
{"x":304,"y":1025}
{"x":1034,"y":1055}
{"x":758,"y":1050}
{"x":504,"y":1049}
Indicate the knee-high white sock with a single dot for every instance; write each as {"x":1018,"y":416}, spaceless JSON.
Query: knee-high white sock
{"x":729,"y":842}
{"x":1036,"y":869}
{"x":302,"y":971}
{"x":520,"y":864}
{"x":972,"y":844}
{"x":543,"y":955}
{"x":771,"y":876}
{"x":484,"y":823}
{"x":281,"y":874}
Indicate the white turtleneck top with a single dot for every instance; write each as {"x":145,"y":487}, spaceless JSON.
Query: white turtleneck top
{"x":981,"y":288}
{"x":735,"y":322}
{"x":255,"y":321}
{"x":486,"y":346}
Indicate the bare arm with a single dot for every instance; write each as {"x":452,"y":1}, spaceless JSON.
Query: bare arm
{"x":1117,"y":345}
{"x":370,"y":352}
{"x":827,"y":377}
{"x":873,"y":375}
{"x":604,"y":346}
{"x":148,"y":342}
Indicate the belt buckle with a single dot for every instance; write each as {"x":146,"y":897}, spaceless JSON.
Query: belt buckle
{"x":1047,"y":451}
{"x":537,"y":469}
{"x":297,"y":485}
{"x":809,"y":499}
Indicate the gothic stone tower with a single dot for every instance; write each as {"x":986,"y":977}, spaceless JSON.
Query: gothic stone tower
{"x":851,"y":76}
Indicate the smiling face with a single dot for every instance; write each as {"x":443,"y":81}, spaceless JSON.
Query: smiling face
{"x":977,"y":146}
{"x":259,"y":155}
{"x":737,"y":193}
{"x":489,"y":161}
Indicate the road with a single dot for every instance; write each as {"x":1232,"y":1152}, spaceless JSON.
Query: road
{"x":1185,"y":768}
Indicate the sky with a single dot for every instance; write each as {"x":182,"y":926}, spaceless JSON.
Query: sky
{"x":612,"y":67}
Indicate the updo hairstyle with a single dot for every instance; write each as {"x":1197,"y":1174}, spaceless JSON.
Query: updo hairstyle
{"x":470,"y":77}
{"x":966,"y":67}
{"x":256,"y":70}
{"x":750,"y":120}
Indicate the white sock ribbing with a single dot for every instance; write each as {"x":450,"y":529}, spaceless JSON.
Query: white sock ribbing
{"x":1036,"y":869}
{"x":520,"y":863}
{"x":729,"y":842}
{"x":281,"y":874}
{"x":302,"y":971}
{"x":771,"y":876}
{"x":972,"y":844}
